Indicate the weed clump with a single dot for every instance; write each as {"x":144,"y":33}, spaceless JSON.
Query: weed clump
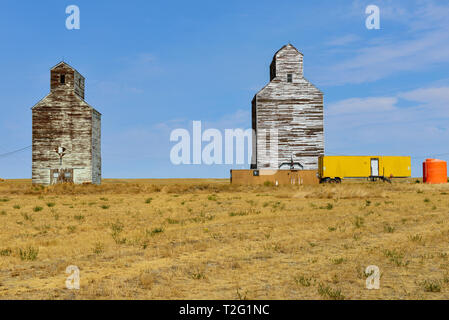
{"x":329,"y":293}
{"x":29,"y":253}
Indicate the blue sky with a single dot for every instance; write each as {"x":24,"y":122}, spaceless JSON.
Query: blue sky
{"x":153,"y":66}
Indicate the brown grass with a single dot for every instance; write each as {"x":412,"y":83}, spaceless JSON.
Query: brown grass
{"x":206,"y":239}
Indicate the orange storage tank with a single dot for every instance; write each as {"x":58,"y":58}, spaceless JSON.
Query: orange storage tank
{"x":434,"y":171}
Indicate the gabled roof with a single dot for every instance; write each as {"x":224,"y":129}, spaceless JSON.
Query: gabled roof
{"x":78,"y":97}
{"x":75,"y":95}
{"x":287,"y":46}
{"x":68,"y":65}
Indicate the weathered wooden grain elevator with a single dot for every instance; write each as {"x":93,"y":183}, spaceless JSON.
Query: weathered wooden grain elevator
{"x":293,"y":107}
{"x":66,"y":132}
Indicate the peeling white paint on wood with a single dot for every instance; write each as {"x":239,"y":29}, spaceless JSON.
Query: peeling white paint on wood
{"x":64,"y":119}
{"x":294,"y":109}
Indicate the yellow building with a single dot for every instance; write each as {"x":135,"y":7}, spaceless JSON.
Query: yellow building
{"x":336,"y":168}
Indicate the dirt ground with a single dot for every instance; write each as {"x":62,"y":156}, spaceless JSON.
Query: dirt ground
{"x":207,"y":239}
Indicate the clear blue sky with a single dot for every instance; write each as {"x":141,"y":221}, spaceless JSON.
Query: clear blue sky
{"x":153,"y":66}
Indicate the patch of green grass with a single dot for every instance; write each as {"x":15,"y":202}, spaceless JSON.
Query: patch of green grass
{"x":117,"y":229}
{"x":426,"y":200}
{"x":388,"y":228}
{"x":27,"y":217}
{"x":154,"y":231}
{"x":278,"y":205}
{"x":338,"y":260}
{"x":238,"y":213}
{"x":5,"y":252}
{"x":359,"y":222}
{"x":98,"y":248}
{"x":105,"y":207}
{"x":431,"y":286}
{"x":303,"y":281}
{"x":37,"y":209}
{"x":198,"y":275}
{"x":329,"y":206}
{"x":51,"y":204}
{"x":212,"y":197}
{"x":396,"y":257}
{"x":415,"y":238}
{"x":4,"y":199}
{"x":29,"y":253}
{"x":148,"y":200}
{"x":312,"y":244}
{"x":79,"y":217}
{"x":3,"y":213}
{"x":329,"y":293}
{"x":71,"y":229}
{"x":16,"y":206}
{"x":172,"y":221}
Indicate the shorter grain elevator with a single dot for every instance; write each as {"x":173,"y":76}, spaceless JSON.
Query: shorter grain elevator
{"x":66,"y":132}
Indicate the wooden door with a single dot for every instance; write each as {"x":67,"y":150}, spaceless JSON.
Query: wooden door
{"x":61,"y":176}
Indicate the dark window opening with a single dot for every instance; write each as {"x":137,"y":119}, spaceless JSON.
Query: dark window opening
{"x":62,"y":78}
{"x":289,"y":77}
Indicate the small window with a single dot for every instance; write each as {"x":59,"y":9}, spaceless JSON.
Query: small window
{"x":67,"y":175}
{"x":55,"y":175}
{"x":62,"y":78}
{"x":289,"y":77}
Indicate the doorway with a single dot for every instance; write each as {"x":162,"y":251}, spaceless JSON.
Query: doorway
{"x":61,"y":176}
{"x":374,"y":167}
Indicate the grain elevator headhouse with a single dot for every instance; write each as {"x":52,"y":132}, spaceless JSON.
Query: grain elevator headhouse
{"x":288,"y":111}
{"x":66,"y":132}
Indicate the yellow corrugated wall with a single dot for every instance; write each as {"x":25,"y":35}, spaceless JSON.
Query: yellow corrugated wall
{"x":360,"y":166}
{"x":396,"y":166}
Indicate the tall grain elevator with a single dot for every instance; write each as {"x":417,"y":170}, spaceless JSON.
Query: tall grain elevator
{"x":66,"y":132}
{"x":292,"y":107}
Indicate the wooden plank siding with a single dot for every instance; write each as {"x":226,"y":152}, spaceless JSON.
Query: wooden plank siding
{"x":64,"y":119}
{"x":294,"y":109}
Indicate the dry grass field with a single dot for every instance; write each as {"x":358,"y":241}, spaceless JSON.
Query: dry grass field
{"x":206,"y":239}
